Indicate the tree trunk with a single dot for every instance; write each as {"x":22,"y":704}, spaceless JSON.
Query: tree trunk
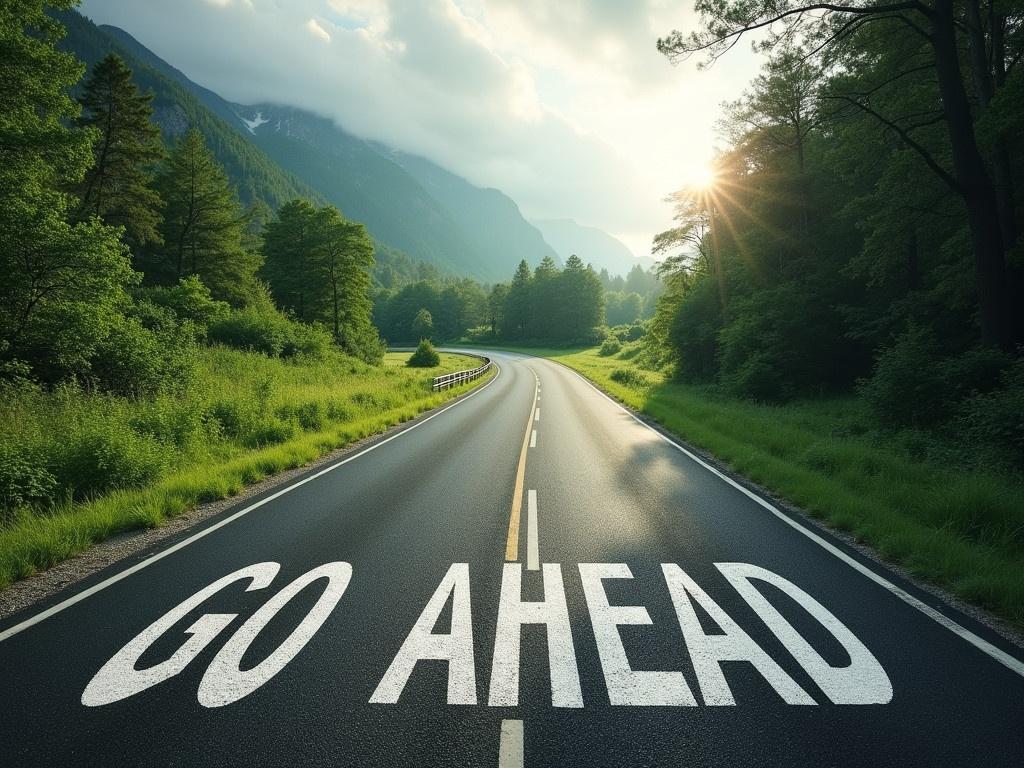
{"x":974,"y":183}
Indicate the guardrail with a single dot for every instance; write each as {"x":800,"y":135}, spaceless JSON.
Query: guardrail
{"x":450,"y":380}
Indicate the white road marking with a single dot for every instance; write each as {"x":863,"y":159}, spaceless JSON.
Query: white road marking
{"x":510,"y":749}
{"x":422,"y":643}
{"x":553,"y":613}
{"x":532,"y":556}
{"x":626,"y":686}
{"x":536,"y":415}
{"x":1004,"y":658}
{"x":77,"y":598}
{"x":533,"y":439}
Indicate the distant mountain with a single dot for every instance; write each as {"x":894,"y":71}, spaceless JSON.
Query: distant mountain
{"x":593,"y":245}
{"x":175,"y":109}
{"x":406,"y":202}
{"x":489,"y":219}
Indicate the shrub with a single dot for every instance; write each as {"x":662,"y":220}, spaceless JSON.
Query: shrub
{"x":996,"y":418}
{"x":269,"y":432}
{"x":189,"y":300}
{"x":143,"y":353}
{"x":908,"y":385}
{"x":24,"y":478}
{"x":105,"y":455}
{"x":265,"y":330}
{"x":630,"y":377}
{"x":609,"y":347}
{"x":425,"y":356}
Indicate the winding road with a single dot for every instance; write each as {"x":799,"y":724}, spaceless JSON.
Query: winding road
{"x":527,"y":576}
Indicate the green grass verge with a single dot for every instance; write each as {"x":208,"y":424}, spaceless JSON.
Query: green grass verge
{"x":244,"y":418}
{"x":960,"y":528}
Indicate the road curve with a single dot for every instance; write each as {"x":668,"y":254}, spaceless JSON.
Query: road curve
{"x":530,"y":576}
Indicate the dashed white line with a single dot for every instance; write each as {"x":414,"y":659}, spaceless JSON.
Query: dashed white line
{"x":532,"y":558}
{"x":510,"y":749}
{"x":533,"y":439}
{"x":536,"y":415}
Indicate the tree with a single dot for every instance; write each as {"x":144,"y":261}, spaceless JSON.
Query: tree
{"x":287,"y":243}
{"x":423,"y":325}
{"x":582,"y":300}
{"x":830,"y":28}
{"x":63,"y":284}
{"x":342,"y":257}
{"x":204,"y":226}
{"x":519,"y":303}
{"x":118,"y":188}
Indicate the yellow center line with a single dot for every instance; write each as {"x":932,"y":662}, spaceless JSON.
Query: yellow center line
{"x":512,"y":542}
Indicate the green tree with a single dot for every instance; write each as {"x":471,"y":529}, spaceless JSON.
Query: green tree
{"x":546,"y":311}
{"x":118,"y":187}
{"x":63,"y":284}
{"x":288,"y":241}
{"x":204,"y":226}
{"x":581,"y":300}
{"x":423,"y":324}
{"x":519,"y":303}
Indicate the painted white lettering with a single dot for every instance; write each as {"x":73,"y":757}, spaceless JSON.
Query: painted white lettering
{"x":626,"y":686}
{"x":118,"y":679}
{"x":708,"y":651}
{"x":554,"y":615}
{"x":863,"y":681}
{"x":225,"y":682}
{"x":456,"y":647}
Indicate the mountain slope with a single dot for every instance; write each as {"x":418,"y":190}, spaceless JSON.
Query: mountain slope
{"x":175,"y":109}
{"x":593,"y":245}
{"x":406,"y":202}
{"x":489,"y":219}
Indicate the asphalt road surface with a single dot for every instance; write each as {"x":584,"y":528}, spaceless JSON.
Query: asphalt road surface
{"x":528,"y":576}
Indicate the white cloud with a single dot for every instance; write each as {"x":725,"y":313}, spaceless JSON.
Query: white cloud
{"x":566,"y":105}
{"x":317,"y":31}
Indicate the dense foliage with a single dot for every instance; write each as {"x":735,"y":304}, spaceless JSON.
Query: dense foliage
{"x":863,"y":222}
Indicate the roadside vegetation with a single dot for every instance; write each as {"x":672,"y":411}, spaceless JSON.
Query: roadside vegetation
{"x":77,"y":466}
{"x":931,"y":503}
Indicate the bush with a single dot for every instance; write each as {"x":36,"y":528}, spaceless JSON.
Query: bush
{"x":24,"y":478}
{"x":630,"y":377}
{"x":144,"y":352}
{"x":996,"y":418}
{"x":908,"y":386}
{"x":106,"y":455}
{"x":609,"y":347}
{"x":189,"y":300}
{"x":425,"y":356}
{"x":264,"y":330}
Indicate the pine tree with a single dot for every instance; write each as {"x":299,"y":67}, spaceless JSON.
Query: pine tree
{"x":61,"y":283}
{"x":580,"y":304}
{"x":519,"y":303}
{"x":287,"y":242}
{"x":204,"y":225}
{"x":118,"y":188}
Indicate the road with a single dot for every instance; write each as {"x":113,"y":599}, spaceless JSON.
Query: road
{"x":400,"y":608}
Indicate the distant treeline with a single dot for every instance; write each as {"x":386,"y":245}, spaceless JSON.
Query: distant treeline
{"x":864,"y":223}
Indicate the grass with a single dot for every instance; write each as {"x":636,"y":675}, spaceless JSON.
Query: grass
{"x":78,"y":467}
{"x":957,"y":526}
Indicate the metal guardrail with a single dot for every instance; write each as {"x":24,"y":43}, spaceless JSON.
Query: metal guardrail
{"x":450,"y":380}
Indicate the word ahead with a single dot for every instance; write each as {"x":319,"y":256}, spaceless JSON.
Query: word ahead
{"x":862,"y":681}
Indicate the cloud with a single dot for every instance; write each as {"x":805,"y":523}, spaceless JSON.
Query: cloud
{"x":317,"y":31}
{"x":566,"y":106}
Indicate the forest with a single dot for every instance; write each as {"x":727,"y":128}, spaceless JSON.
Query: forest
{"x":862,"y":228}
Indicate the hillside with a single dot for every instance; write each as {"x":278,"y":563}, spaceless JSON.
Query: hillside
{"x":406,"y":202}
{"x":175,"y":108}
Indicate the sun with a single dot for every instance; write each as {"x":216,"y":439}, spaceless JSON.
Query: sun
{"x":704,"y":176}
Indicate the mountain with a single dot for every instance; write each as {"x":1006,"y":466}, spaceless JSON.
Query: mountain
{"x":489,"y":219}
{"x":175,"y":109}
{"x":406,"y":202}
{"x":593,"y":245}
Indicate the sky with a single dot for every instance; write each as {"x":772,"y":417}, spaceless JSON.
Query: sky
{"x":565,"y":105}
